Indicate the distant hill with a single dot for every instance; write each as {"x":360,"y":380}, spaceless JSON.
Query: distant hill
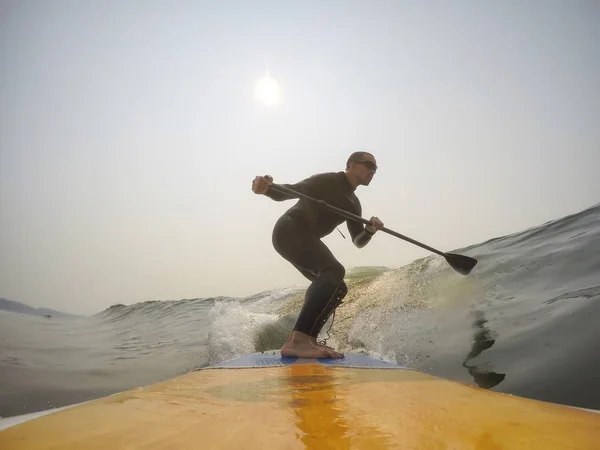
{"x":20,"y":308}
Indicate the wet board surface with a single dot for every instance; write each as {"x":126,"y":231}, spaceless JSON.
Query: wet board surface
{"x":308,"y":404}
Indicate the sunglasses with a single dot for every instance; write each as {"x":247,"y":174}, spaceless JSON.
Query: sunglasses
{"x":368,"y":164}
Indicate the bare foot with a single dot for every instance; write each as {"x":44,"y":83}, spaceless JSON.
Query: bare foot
{"x":301,"y":345}
{"x":308,"y":350}
{"x":314,"y":341}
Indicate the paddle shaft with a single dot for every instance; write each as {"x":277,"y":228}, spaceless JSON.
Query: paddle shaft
{"x":349,"y":215}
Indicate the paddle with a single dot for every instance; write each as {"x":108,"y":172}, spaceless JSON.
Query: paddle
{"x":462,"y":264}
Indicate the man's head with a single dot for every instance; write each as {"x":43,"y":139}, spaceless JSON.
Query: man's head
{"x":360,"y":168}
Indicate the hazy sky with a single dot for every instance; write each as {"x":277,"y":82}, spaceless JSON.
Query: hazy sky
{"x":129,"y":134}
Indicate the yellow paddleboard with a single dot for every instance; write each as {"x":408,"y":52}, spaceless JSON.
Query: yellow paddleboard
{"x":268,"y":402}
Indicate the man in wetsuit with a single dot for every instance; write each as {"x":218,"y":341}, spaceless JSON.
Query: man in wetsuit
{"x":297,"y":238}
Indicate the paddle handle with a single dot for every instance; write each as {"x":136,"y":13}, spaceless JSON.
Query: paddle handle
{"x":349,"y":215}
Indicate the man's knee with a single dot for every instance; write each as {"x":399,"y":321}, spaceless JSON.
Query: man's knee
{"x":334,"y":274}
{"x":341,"y":291}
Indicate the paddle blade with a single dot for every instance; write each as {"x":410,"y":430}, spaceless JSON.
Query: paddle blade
{"x":462,"y":264}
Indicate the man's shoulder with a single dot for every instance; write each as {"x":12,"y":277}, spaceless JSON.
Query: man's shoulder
{"x":326,"y":175}
{"x":322,"y":178}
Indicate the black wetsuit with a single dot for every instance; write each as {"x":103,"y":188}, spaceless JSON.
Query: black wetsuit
{"x":297,"y":238}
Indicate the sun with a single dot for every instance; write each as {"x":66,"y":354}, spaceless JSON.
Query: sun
{"x":266,"y":90}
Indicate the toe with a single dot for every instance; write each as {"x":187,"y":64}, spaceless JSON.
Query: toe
{"x":334,"y":354}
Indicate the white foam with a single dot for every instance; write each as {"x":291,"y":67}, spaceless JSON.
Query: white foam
{"x":233,"y":328}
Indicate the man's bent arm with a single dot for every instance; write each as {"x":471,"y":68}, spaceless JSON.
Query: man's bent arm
{"x":362,"y":238}
{"x":360,"y":235}
{"x":305,"y":187}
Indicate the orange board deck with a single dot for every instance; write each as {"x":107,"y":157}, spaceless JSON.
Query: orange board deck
{"x":309,"y":405}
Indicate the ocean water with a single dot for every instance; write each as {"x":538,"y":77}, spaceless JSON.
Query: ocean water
{"x":525,"y":322}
